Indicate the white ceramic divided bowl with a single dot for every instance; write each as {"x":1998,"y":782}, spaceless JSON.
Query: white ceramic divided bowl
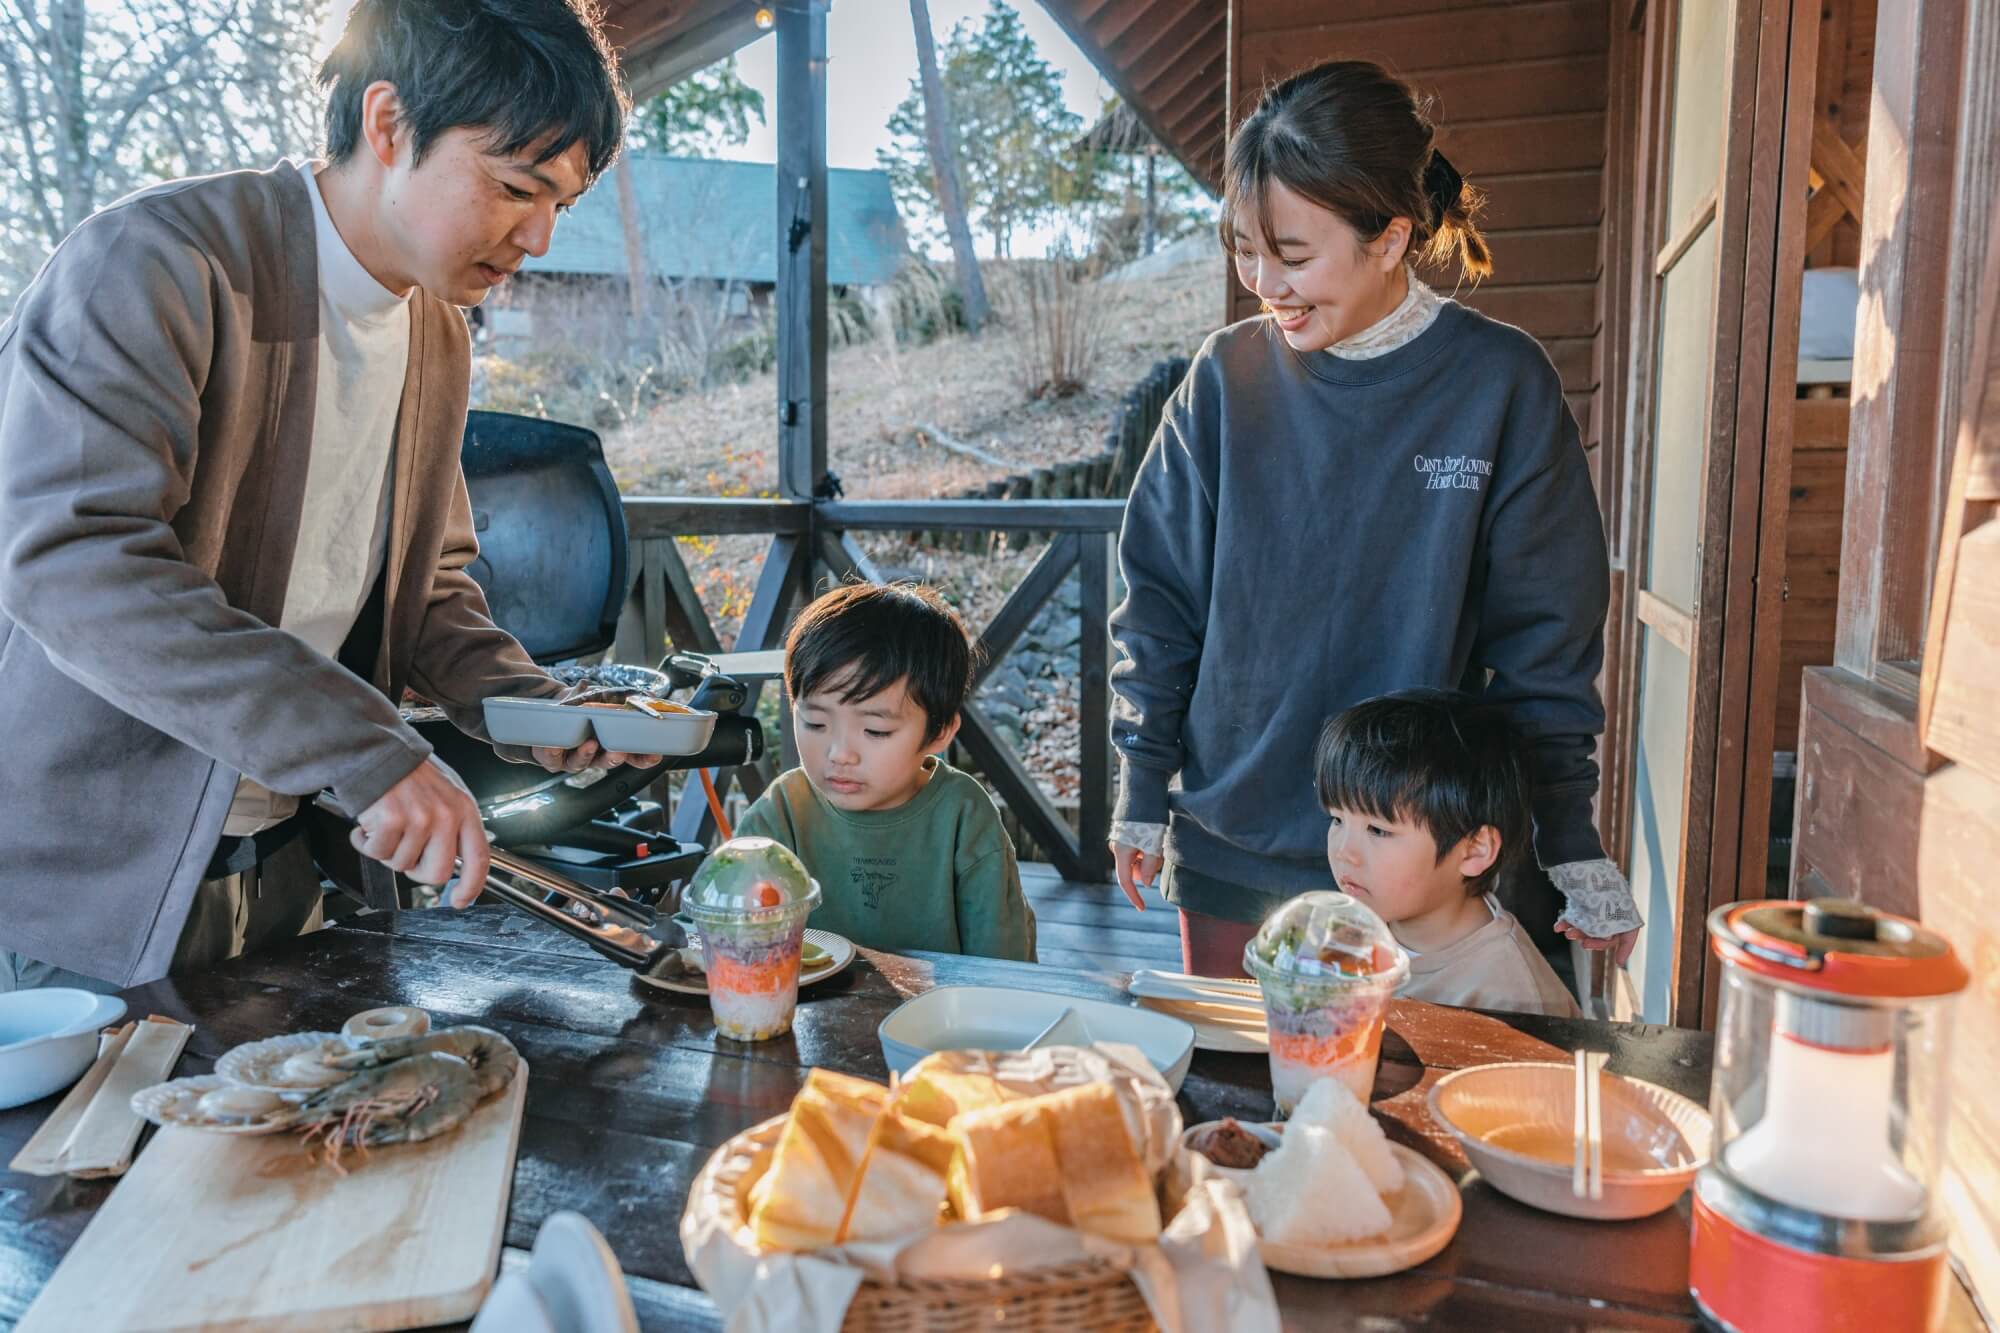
{"x":994,"y":1018}
{"x":1660,"y":1126}
{"x":48,"y":1038}
{"x":535,"y":722}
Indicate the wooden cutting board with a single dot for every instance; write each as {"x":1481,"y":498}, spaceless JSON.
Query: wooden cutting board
{"x":215,"y":1231}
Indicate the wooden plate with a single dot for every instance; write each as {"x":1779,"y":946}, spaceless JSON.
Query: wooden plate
{"x":1423,"y":1217}
{"x":1218,"y":1027}
{"x":840,"y":955}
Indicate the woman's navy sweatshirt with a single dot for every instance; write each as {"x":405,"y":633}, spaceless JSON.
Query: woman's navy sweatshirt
{"x":1307,"y":532}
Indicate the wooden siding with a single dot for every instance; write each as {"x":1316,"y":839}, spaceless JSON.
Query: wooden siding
{"x":1899,"y":787}
{"x":1845,"y":78}
{"x":1812,"y":552}
{"x":1164,"y":58}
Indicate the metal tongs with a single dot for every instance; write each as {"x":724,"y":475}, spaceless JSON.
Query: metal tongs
{"x":629,"y":933}
{"x":626,"y":931}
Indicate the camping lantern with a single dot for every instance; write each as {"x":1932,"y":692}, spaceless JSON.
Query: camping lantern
{"x":1818,"y":1209}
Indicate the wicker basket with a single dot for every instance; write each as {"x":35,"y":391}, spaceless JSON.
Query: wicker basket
{"x":1094,"y":1296}
{"x":1089,"y":1294}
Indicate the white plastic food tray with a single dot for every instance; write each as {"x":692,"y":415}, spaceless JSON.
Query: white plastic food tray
{"x":994,"y":1018}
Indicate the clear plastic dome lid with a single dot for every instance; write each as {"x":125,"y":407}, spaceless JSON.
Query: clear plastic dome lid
{"x":1326,"y":936}
{"x":747,"y":877}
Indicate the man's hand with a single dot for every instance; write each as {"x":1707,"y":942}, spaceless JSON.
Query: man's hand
{"x":589,"y":755}
{"x":1621,"y":944}
{"x":1134,"y":865}
{"x":422,"y":825}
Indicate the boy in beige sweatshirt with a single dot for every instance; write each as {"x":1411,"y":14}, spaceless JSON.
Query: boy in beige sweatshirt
{"x":1429,"y":795}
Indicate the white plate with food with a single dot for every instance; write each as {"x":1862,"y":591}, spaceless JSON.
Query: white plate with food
{"x":211,"y":1102}
{"x":835,"y":953}
{"x":995,"y":1018}
{"x":294,"y":1064}
{"x":1346,"y":1207}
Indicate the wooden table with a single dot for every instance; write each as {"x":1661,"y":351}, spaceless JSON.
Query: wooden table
{"x":631,"y":1091}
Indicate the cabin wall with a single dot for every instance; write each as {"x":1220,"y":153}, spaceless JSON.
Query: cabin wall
{"x":1899,"y":782}
{"x":1846,"y":77}
{"x":1844,"y":84}
{"x":1520,"y":96}
{"x":1812,"y":552}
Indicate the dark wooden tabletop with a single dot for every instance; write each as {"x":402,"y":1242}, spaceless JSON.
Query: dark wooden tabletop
{"x":631,"y":1090}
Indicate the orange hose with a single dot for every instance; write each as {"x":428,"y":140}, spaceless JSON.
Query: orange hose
{"x":715,"y":806}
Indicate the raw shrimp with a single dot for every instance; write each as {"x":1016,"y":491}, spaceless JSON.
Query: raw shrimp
{"x":492,"y":1057}
{"x":404,"y":1101}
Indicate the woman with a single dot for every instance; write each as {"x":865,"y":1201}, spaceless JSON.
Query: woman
{"x":1367,"y":488}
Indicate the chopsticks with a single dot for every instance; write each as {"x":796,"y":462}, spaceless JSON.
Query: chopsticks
{"x":1587,"y":1128}
{"x":94,"y":1130}
{"x":1152,"y":985}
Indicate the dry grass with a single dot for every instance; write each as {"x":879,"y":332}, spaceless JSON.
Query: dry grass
{"x":723,"y":441}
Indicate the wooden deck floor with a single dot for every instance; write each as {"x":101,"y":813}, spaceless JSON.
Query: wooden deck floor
{"x":1091,"y":926}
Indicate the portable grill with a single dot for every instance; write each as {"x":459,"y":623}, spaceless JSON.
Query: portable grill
{"x":552,"y":563}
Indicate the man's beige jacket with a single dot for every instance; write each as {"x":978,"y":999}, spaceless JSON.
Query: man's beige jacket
{"x":156,"y":414}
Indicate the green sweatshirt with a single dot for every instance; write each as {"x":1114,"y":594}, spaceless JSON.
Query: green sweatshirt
{"x":937,"y":872}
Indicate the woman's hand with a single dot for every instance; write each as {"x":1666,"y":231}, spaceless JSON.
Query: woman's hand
{"x":1620,"y":944}
{"x":1134,"y":868}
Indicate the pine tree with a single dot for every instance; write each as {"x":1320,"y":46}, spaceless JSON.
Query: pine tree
{"x":699,"y":116}
{"x":1014,"y":133}
{"x":941,"y":142}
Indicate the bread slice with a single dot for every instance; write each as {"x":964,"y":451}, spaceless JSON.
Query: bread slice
{"x":1006,"y":1159}
{"x":1104,"y":1183}
{"x":901,"y":1185}
{"x":935,"y":1095}
{"x":800,"y":1202}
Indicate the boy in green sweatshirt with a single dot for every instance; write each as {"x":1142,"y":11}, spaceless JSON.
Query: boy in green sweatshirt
{"x":908,"y":851}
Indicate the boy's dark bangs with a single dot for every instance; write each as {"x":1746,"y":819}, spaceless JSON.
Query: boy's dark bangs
{"x":1353,"y":775}
{"x":861,"y":678}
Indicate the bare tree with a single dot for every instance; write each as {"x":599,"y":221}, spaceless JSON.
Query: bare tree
{"x":944,"y":163}
{"x":95,"y":103}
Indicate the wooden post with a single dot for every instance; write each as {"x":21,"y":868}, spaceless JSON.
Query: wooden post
{"x":1018,"y":487}
{"x":1094,"y":563}
{"x":801,"y":250}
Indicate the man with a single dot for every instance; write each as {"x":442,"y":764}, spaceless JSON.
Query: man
{"x":233,"y":526}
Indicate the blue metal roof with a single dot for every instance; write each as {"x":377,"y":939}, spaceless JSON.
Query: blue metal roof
{"x":705,"y":218}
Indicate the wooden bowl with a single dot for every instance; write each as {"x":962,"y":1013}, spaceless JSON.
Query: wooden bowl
{"x":1514,"y":1122}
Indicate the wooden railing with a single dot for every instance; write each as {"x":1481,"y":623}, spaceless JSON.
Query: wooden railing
{"x":809,"y":539}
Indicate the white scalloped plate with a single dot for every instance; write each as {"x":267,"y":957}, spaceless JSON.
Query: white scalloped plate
{"x":265,"y":1064}
{"x":839,"y":951}
{"x":177,"y":1103}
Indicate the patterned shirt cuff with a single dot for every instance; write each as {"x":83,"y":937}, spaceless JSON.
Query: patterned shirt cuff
{"x":1600,"y":901}
{"x":1148,"y":838}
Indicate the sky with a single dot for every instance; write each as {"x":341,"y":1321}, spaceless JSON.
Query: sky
{"x":871,"y":58}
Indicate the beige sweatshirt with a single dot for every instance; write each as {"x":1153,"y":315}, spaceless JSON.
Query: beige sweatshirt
{"x":1495,"y":967}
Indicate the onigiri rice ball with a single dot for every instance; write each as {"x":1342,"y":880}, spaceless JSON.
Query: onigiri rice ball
{"x":1329,"y":1104}
{"x":1313,"y":1191}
